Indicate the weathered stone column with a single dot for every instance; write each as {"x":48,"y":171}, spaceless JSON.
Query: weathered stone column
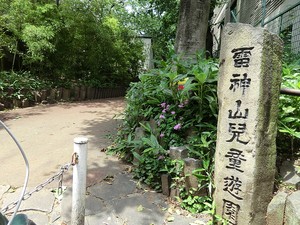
{"x":248,"y":92}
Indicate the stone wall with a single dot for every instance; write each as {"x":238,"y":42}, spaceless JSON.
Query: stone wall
{"x":63,"y":94}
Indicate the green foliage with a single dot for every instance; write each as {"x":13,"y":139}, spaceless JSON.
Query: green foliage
{"x":190,"y":199}
{"x":194,"y":203}
{"x":180,"y":104}
{"x":205,"y":175}
{"x":216,"y":219}
{"x":155,"y":18}
{"x":289,"y":111}
{"x":150,"y":161}
{"x":97,"y":45}
{"x":27,"y":31}
{"x":18,"y":86}
{"x":80,"y":39}
{"x":38,"y":42}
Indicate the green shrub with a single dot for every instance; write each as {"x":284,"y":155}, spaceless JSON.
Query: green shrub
{"x":193,"y":111}
{"x":289,"y":111}
{"x":19,"y":86}
{"x":176,"y":105}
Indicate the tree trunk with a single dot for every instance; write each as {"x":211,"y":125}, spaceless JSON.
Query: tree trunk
{"x":192,"y":27}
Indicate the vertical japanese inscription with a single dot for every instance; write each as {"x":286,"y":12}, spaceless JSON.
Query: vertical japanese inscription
{"x":238,"y":114}
{"x":233,"y":186}
{"x":230,"y":211}
{"x":235,"y":158}
{"x":239,"y":83}
{"x":236,"y":130}
{"x":241,"y":56}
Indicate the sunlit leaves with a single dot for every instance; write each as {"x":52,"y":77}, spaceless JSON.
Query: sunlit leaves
{"x":38,"y":39}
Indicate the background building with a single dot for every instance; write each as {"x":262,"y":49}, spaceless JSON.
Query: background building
{"x":278,"y":16}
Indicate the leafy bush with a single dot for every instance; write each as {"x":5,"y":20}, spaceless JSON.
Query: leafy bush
{"x":176,"y":105}
{"x":151,"y":161}
{"x":289,"y":111}
{"x":18,"y":86}
{"x":187,"y":115}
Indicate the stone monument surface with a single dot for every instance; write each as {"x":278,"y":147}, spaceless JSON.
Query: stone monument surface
{"x":248,"y":93}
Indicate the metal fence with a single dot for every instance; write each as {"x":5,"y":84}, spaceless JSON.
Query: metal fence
{"x":287,"y":25}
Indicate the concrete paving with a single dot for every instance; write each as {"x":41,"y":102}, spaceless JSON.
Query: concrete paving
{"x":116,"y":200}
{"x":113,"y":197}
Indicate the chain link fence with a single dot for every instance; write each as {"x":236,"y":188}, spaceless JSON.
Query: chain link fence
{"x":287,"y":25}
{"x":276,"y":16}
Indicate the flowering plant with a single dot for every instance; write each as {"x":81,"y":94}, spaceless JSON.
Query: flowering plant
{"x":171,"y":123}
{"x":181,"y":116}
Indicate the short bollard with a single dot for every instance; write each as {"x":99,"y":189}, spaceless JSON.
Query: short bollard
{"x":79,"y":181}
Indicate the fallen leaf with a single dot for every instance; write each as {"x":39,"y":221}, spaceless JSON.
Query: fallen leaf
{"x":109,"y":179}
{"x":170,"y":210}
{"x":140,"y":208}
{"x":170,"y":219}
{"x":178,"y":212}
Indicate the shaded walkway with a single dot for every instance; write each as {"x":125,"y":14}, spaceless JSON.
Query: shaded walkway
{"x":46,"y":133}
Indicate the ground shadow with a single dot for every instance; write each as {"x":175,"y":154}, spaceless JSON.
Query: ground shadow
{"x":104,"y":167}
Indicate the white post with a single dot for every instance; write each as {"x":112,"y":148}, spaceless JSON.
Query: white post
{"x":79,"y":181}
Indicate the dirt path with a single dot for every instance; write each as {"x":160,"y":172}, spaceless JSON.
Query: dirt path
{"x":46,"y":133}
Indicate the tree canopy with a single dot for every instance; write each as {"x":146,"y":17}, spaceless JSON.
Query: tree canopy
{"x":83,"y":39}
{"x":74,"y":39}
{"x":157,"y":19}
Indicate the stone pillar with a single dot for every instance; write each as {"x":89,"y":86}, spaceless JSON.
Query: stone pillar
{"x":248,"y":92}
{"x":139,"y":134}
{"x":179,"y":153}
{"x":165,"y":184}
{"x":191,"y":181}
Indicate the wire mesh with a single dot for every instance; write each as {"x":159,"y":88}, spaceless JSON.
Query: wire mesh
{"x":281,"y":20}
{"x":287,"y":25}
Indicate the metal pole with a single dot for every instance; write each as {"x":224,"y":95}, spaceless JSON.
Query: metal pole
{"x":79,"y":181}
{"x":289,"y":91}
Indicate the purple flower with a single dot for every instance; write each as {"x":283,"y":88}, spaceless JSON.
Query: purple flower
{"x":164,"y":111}
{"x":173,"y":112}
{"x":177,"y":126}
{"x":161,"y":135}
{"x":180,"y":105}
{"x":168,"y":107}
{"x":163,"y":105}
{"x":161,"y":116}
